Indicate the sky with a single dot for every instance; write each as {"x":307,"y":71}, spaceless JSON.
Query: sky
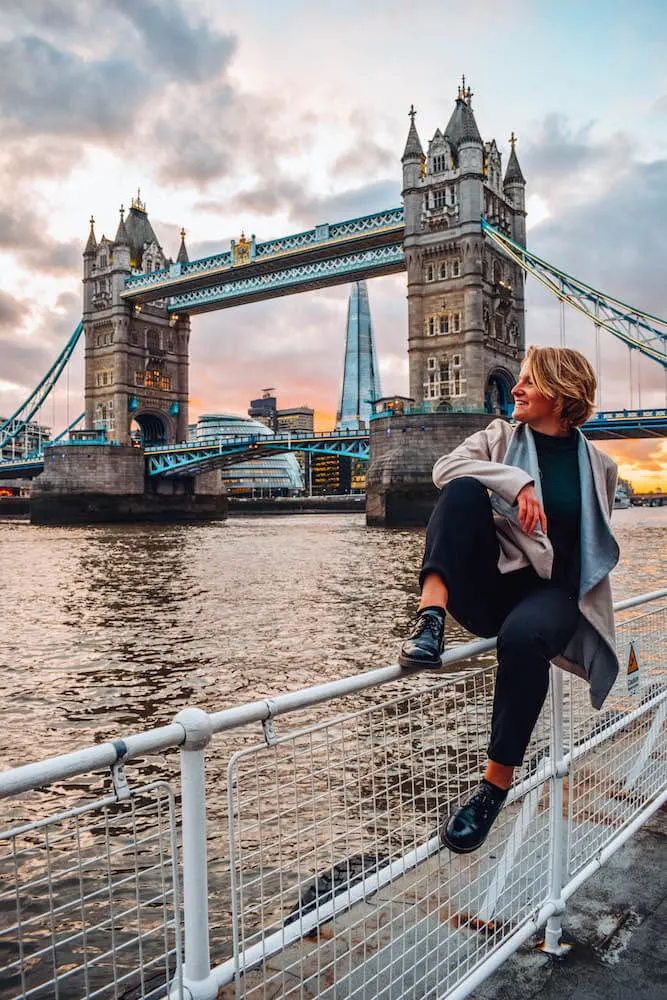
{"x":273,"y":116}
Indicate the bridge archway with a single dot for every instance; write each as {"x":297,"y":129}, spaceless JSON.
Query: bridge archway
{"x":150,"y":428}
{"x":498,"y":393}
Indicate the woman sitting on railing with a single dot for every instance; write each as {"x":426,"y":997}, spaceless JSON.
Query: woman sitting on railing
{"x":519,"y":546}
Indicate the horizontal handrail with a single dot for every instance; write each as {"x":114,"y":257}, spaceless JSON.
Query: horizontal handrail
{"x":34,"y":775}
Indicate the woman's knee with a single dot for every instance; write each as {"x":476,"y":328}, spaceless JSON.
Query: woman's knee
{"x":520,"y":642}
{"x":465,"y":490}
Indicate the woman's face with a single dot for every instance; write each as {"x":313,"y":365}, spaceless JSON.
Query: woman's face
{"x":531,"y":407}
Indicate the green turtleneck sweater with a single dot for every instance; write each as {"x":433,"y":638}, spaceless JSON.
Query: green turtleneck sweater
{"x":561,"y":495}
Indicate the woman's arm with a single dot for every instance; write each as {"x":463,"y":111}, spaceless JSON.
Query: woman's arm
{"x":473,"y":457}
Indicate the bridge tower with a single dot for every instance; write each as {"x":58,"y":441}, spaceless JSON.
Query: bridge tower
{"x":465,"y":299}
{"x":465,"y":310}
{"x":136,"y":357}
{"x":136,"y":369}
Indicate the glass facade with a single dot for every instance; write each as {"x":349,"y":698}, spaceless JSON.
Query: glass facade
{"x":273,"y":475}
{"x":361,"y":378}
{"x":30,"y":440}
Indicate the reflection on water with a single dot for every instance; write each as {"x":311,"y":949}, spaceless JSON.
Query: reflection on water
{"x":114,"y":629}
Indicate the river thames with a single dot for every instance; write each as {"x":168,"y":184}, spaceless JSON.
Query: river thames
{"x":111,"y":630}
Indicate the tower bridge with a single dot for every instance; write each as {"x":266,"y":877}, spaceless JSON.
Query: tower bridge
{"x":460,"y":236}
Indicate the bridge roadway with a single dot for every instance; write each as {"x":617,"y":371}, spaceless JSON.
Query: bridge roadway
{"x":191,"y":458}
{"x":369,"y":246}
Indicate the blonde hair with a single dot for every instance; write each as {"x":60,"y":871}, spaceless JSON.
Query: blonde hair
{"x":562,"y":373}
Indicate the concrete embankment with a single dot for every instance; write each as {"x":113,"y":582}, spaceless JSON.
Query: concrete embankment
{"x":19,"y":507}
{"x":298,"y":505}
{"x":616,"y":926}
{"x":14,"y":507}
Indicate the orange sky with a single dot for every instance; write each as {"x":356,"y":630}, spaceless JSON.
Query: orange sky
{"x":643,"y":462}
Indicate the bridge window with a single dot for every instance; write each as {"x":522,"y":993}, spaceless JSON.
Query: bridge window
{"x":153,"y":378}
{"x":443,"y":270}
{"x":444,"y":324}
{"x":431,"y":326}
{"x":104,"y":377}
{"x":431,"y":363}
{"x":439,"y":163}
{"x":457,"y":322}
{"x":429,"y":272}
{"x":153,"y":342}
{"x":439,"y":198}
{"x":456,"y":268}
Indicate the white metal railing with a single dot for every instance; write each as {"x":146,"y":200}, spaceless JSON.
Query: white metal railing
{"x":335,"y":869}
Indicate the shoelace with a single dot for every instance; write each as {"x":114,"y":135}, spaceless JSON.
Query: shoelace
{"x":426,"y":623}
{"x":484,"y":800}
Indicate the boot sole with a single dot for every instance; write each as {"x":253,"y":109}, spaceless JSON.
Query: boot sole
{"x":406,"y":661}
{"x":458,"y":850}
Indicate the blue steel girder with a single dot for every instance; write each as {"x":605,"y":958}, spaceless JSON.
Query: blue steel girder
{"x":288,"y":281}
{"x":612,"y":425}
{"x":323,"y":242}
{"x":638,"y":329}
{"x":192,"y":459}
{"x":24,"y":468}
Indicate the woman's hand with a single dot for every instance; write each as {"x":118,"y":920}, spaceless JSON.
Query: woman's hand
{"x":531,"y":511}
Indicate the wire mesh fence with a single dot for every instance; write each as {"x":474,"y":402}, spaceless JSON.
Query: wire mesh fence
{"x":339,"y":880}
{"x":89,"y":901}
{"x":340,"y":886}
{"x":620,"y":756}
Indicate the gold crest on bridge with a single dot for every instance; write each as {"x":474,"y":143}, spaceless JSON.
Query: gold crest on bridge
{"x":241,"y":250}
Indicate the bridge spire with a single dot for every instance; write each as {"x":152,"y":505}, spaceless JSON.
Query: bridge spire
{"x":91,"y":245}
{"x":122,"y":237}
{"x":413,"y":147}
{"x":462,"y":126}
{"x":182,"y":257}
{"x":513,"y":173}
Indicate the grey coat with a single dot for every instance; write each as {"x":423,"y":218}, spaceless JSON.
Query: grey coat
{"x":504,"y":459}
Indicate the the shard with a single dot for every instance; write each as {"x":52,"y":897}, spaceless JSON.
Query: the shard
{"x":361,"y":378}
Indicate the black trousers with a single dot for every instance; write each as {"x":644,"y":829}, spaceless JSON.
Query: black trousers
{"x":533,"y":618}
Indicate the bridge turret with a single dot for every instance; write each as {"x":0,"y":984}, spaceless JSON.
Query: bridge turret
{"x":514,"y":187}
{"x":90,"y":250}
{"x":464,"y":138}
{"x":413,"y":161}
{"x":121,"y":247}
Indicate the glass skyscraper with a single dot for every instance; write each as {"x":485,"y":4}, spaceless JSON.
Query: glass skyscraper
{"x":361,"y":378}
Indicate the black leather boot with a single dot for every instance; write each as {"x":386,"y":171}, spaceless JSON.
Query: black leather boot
{"x":468,"y":828}
{"x":423,"y":646}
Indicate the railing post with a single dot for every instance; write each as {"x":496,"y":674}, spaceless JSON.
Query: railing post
{"x":197,"y":981}
{"x":558,"y":828}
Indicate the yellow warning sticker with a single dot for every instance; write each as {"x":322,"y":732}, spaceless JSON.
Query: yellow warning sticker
{"x":633,"y":666}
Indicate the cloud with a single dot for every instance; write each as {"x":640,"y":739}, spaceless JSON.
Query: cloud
{"x":24,"y":232}
{"x":79,"y":72}
{"x":187,"y":52}
{"x":612,"y":241}
{"x":365,"y":155}
{"x":568,"y":166}
{"x":303,"y":206}
{"x":12,"y":311}
{"x":51,"y":90}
